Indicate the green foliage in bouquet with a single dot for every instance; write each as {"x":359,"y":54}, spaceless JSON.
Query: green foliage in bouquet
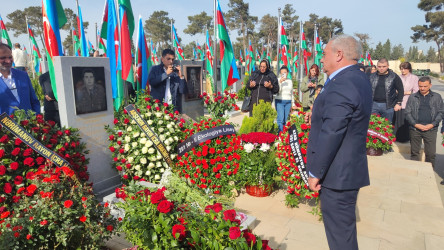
{"x":258,"y":160}
{"x":37,"y":89}
{"x":164,"y":219}
{"x":55,"y":211}
{"x":134,"y":155}
{"x":383,"y":127}
{"x":297,"y":191}
{"x":262,"y":120}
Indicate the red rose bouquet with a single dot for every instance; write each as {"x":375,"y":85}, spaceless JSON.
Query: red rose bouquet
{"x":19,"y":162}
{"x":212,"y":165}
{"x":53,"y":210}
{"x":297,"y":190}
{"x":218,"y":103}
{"x":380,"y":134}
{"x":134,"y":155}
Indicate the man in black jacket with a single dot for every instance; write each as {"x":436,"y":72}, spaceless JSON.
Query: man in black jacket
{"x":50,"y":104}
{"x":388,"y":90}
{"x":424,"y":111}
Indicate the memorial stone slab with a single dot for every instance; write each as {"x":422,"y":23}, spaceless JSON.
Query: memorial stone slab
{"x":85,"y":102}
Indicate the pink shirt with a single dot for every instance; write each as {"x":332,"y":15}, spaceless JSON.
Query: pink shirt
{"x":410,"y":83}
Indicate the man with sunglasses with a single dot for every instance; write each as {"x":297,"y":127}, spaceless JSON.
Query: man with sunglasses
{"x":16,"y":91}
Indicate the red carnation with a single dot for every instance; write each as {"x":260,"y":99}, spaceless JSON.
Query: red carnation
{"x":17,"y":142}
{"x":31,"y":189}
{"x":18,"y":180}
{"x":82,"y":218}
{"x":126,"y":121}
{"x":67,"y":132}
{"x":40,"y":160}
{"x":110,"y":228}
{"x":44,"y":222}
{"x":234,"y":233}
{"x":217,"y":207}
{"x":15,"y":152}
{"x":2,"y":170}
{"x":112,"y":149}
{"x":165,"y":206}
{"x":375,"y":141}
{"x":24,"y":122}
{"x":28,"y":236}
{"x":179,"y":229}
{"x":116,"y":121}
{"x":68,"y":203}
{"x":7,"y":188}
{"x":250,"y":238}
{"x":111,"y":137}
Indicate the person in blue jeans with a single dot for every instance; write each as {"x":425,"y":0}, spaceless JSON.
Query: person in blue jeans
{"x":284,"y":98}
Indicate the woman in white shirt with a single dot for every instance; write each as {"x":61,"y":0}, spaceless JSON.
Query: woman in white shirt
{"x":284,"y":98}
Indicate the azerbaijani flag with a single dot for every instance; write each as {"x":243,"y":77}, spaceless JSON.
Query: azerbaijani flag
{"x":209,"y":56}
{"x":143,"y":58}
{"x":4,"y":37}
{"x":199,"y":50}
{"x":258,"y":55}
{"x":241,"y":60}
{"x":53,"y":18}
{"x":153,"y":54}
{"x":263,"y":54}
{"x":285,"y":55}
{"x":194,"y":53}
{"x":76,"y":43}
{"x":295,"y":60}
{"x":268,"y":56}
{"x":228,"y":68}
{"x":83,"y":44}
{"x":90,"y":46}
{"x":101,"y":43}
{"x":251,"y":57}
{"x":318,"y":49}
{"x":369,"y":59}
{"x":111,"y":30}
{"x":306,"y":54}
{"x":176,"y":44}
{"x":35,"y":50}
{"x":126,"y":32}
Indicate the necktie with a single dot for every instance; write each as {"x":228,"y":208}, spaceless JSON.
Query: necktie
{"x":328,"y":80}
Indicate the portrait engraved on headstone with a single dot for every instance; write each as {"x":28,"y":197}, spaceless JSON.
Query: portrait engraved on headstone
{"x":89,"y":89}
{"x":194,"y":82}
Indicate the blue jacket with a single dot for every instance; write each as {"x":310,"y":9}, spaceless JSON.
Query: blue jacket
{"x":157,"y":79}
{"x":28,"y":99}
{"x":336,"y":152}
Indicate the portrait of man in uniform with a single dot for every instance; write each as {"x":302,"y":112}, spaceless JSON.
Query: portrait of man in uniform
{"x":89,"y":88}
{"x":193,"y":76}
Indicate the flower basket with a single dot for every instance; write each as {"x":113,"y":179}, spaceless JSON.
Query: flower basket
{"x":259,"y":190}
{"x":374,"y":151}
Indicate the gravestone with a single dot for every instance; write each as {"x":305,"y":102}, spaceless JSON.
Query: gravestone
{"x":192,"y":105}
{"x":88,"y":105}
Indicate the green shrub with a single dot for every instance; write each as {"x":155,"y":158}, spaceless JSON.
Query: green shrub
{"x":37,"y":88}
{"x":262,"y":120}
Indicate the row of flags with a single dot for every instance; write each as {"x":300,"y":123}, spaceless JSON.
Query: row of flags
{"x":115,"y":41}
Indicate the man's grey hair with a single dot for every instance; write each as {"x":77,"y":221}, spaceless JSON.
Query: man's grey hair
{"x":348,"y":45}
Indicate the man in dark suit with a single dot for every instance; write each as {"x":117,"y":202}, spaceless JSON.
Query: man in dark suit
{"x":50,"y":104}
{"x":336,"y":153}
{"x":167,"y":84}
{"x":16,"y":91}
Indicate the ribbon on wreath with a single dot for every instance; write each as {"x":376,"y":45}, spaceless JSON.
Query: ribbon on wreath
{"x":380,"y":136}
{"x":296,"y":150}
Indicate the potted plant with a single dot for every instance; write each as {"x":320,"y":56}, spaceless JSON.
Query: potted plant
{"x":258,"y":163}
{"x":380,"y":135}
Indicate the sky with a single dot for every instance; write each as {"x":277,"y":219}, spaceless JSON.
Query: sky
{"x":380,"y":19}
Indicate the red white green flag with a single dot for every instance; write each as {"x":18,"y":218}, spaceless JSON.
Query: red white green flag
{"x":228,"y":68}
{"x":369,"y":59}
{"x":53,"y":18}
{"x":176,"y":44}
{"x":126,"y":32}
{"x":295,"y":60}
{"x":241,"y":60}
{"x":250,"y":60}
{"x":305,"y":52}
{"x":102,"y":45}
{"x":209,"y":55}
{"x":34,"y":50}
{"x":318,"y":49}
{"x":4,"y":37}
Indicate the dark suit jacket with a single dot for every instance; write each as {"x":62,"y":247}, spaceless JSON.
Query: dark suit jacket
{"x":45,"y":82}
{"x":157,"y":79}
{"x":28,"y":99}
{"x":336,"y":151}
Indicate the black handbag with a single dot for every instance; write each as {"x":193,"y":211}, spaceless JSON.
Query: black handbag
{"x":246,"y":104}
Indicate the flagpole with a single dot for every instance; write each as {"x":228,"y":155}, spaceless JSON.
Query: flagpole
{"x":97,"y":39}
{"x":279,"y":37}
{"x":172,"y":36}
{"x":215,"y":49}
{"x":314,"y":42}
{"x":30,"y":48}
{"x":77,"y":4}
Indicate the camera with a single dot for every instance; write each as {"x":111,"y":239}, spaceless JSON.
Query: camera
{"x":176,"y":64}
